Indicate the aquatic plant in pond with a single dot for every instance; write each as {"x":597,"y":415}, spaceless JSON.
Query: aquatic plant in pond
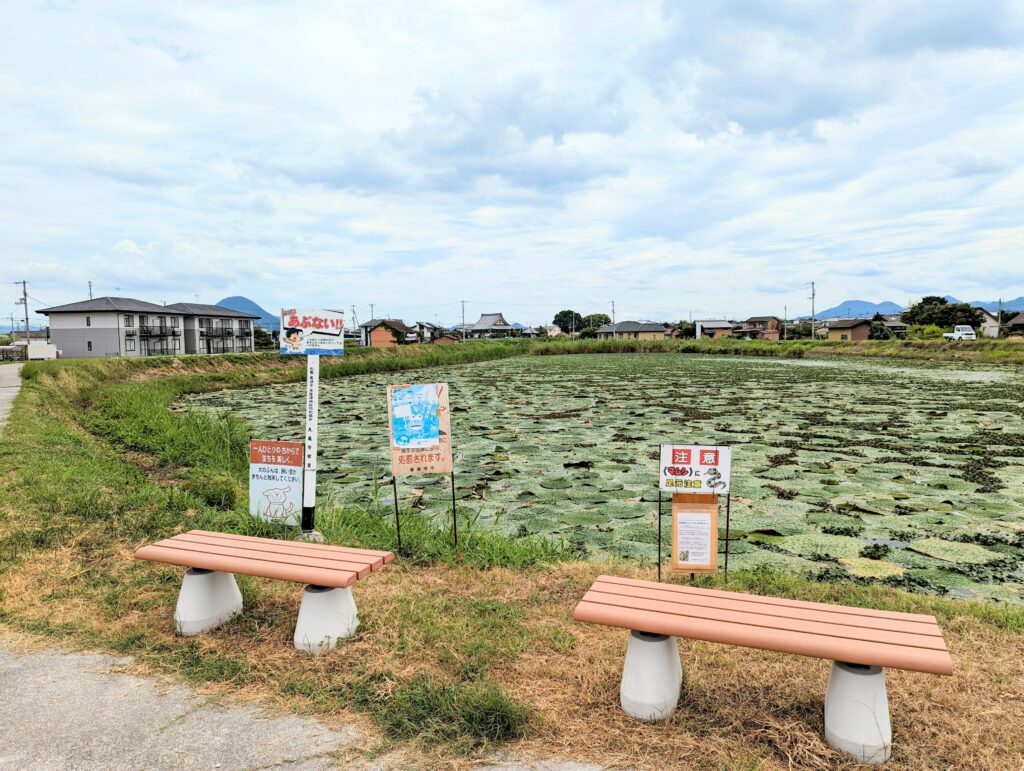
{"x":832,"y":460}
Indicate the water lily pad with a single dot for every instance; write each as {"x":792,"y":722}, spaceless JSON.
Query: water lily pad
{"x":954,"y":551}
{"x":868,"y":568}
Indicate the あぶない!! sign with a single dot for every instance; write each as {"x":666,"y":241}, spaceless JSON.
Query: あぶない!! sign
{"x":305,"y":332}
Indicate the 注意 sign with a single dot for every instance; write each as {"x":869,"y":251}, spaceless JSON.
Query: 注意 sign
{"x":420,"y":427}
{"x":275,"y":481}
{"x":695,"y":468}
{"x":305,"y":332}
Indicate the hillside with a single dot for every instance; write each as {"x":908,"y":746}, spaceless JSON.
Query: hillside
{"x":268,"y":321}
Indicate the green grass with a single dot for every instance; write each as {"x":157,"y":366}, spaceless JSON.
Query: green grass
{"x":94,"y":463}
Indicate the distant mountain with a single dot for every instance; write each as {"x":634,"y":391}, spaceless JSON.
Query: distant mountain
{"x":992,"y":306}
{"x":855,"y":309}
{"x":268,"y":321}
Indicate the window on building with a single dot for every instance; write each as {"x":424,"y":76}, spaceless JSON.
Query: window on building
{"x":176,"y":344}
{"x":129,"y":321}
{"x":88,"y":344}
{"x":174,"y":321}
{"x":88,"y":321}
{"x":129,"y":344}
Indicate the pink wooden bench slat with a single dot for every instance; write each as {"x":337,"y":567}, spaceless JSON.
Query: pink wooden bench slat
{"x":318,"y":564}
{"x":724,"y":594}
{"x":696,"y":604}
{"x":242,"y":552}
{"x":311,"y":547}
{"x":369,"y":562}
{"x":678,"y":615}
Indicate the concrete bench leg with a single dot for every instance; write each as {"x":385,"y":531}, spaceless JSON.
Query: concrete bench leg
{"x":857,"y":712}
{"x":651,"y":677}
{"x":326,"y":615}
{"x":207,"y":599}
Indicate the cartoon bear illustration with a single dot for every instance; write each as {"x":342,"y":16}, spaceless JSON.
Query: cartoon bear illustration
{"x":278,"y":507}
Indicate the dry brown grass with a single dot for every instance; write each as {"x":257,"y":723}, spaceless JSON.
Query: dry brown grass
{"x":741,"y":708}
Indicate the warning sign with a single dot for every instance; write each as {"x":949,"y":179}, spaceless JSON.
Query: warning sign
{"x":695,"y":468}
{"x":275,"y":481}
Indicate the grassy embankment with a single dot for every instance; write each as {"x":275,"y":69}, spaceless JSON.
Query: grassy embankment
{"x":450,"y":655}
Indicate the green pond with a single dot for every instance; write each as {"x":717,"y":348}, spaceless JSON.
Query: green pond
{"x":910,"y":474}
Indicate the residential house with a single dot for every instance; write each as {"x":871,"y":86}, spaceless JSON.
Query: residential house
{"x":385,"y":333}
{"x":122,"y":326}
{"x":989,"y":323}
{"x":633,"y":330}
{"x":896,"y":327}
{"x":530,"y":332}
{"x":215,"y":329}
{"x":760,"y":328}
{"x":713,"y":328}
{"x":491,"y":325}
{"x":426,"y":332}
{"x":1015,"y":325}
{"x":553,"y":330}
{"x":847,"y":330}
{"x":445,"y":339}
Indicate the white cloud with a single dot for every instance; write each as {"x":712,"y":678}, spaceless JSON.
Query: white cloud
{"x":524,"y":157}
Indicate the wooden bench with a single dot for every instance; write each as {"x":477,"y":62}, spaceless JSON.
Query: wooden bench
{"x":209,"y":593}
{"x":860,"y":641}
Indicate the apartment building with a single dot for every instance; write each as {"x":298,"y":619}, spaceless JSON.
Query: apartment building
{"x":213,"y":329}
{"x":122,"y":326}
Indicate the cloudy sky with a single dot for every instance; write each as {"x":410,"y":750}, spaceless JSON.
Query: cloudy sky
{"x":677,"y":158}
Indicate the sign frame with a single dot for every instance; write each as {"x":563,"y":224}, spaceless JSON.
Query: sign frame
{"x":693,"y":506}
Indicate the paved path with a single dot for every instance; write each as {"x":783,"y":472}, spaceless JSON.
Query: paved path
{"x":68,"y":711}
{"x":10,"y":382}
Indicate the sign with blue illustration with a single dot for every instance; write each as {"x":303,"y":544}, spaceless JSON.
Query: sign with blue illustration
{"x":420,"y":422}
{"x":414,"y":420}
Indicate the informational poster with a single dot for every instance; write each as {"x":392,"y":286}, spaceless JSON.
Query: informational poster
{"x":305,"y":332}
{"x":695,"y":468}
{"x":275,"y":481}
{"x":694,"y":533}
{"x":420,"y":426}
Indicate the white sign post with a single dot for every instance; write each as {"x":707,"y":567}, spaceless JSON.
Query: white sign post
{"x":311,"y":333}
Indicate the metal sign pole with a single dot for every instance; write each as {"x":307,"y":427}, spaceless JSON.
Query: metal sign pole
{"x":398,"y":521}
{"x":312,"y":431}
{"x":659,"y":533}
{"x":455,"y":520}
{"x":728,"y":507}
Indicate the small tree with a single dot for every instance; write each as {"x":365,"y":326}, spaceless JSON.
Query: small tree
{"x":568,"y":321}
{"x":263,"y":340}
{"x":685,"y":329}
{"x":588,"y":332}
{"x":879,"y":331}
{"x":596,"y":320}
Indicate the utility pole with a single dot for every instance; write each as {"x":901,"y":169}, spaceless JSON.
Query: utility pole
{"x":785,"y":320}
{"x":613,"y":313}
{"x":999,"y":318}
{"x":813,"y":319}
{"x":90,"y":290}
{"x":24,"y":301}
{"x":371,"y":312}
{"x":463,"y":321}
